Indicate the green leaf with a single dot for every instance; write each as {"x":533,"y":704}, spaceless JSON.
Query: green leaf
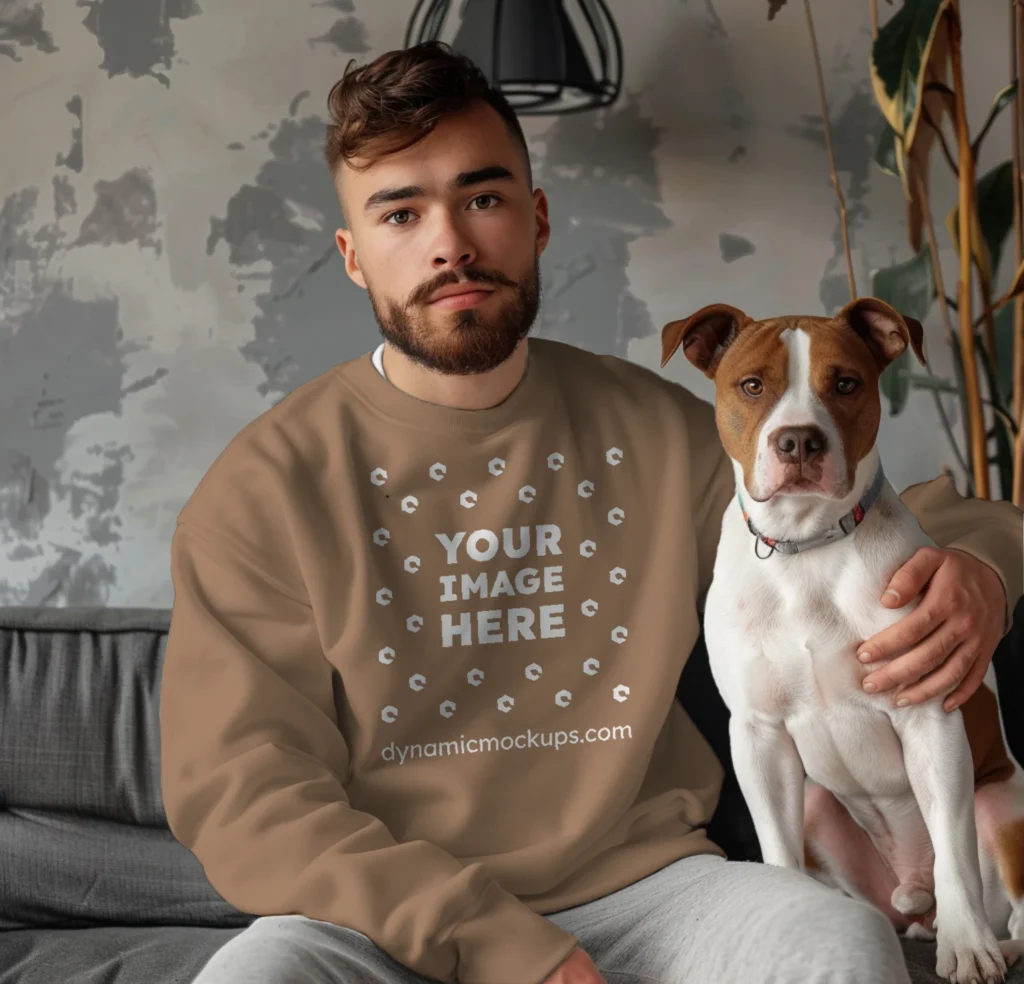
{"x":995,"y":219}
{"x":885,"y":150}
{"x":1003,"y":99}
{"x":995,"y":210}
{"x":910,"y":288}
{"x":900,"y":58}
{"x":1004,"y":353}
{"x":895,"y":382}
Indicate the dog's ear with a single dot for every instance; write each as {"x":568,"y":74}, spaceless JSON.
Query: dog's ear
{"x":704,"y":335}
{"x":885,"y":331}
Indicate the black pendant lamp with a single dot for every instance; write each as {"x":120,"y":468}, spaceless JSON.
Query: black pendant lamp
{"x":547,"y":56}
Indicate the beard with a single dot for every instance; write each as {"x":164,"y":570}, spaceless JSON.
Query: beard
{"x":460,"y":343}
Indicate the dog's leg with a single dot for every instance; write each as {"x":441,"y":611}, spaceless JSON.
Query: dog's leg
{"x":999,"y":812}
{"x":840,"y":847}
{"x":903,"y":836}
{"x":938,"y":762}
{"x":897,"y":880}
{"x":771,"y":777}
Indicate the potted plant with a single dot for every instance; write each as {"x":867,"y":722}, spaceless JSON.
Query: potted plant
{"x":916,"y":70}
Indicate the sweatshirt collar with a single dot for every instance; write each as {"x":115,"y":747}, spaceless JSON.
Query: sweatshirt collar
{"x":530,"y":398}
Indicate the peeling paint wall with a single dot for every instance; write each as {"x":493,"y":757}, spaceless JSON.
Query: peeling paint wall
{"x":168,"y":271}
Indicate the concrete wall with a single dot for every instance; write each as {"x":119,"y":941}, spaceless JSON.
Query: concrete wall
{"x":167,"y":266}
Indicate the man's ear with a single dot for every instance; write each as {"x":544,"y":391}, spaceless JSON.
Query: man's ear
{"x":885,"y":331}
{"x":346,"y":246}
{"x":704,"y":335}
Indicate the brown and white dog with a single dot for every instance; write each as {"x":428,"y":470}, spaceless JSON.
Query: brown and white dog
{"x":914,"y":809}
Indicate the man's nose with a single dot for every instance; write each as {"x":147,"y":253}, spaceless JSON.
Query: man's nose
{"x":799,"y":445}
{"x":452,"y":248}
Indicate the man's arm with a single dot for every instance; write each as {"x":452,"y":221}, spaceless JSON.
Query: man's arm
{"x":990,"y":531}
{"x":712,"y":484}
{"x":969,"y":584}
{"x":253,"y":765}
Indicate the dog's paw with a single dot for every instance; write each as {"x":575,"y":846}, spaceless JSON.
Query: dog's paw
{"x":1017,"y":923}
{"x":912,"y":900}
{"x":1012,"y":950}
{"x":969,"y":955}
{"x":918,"y":931}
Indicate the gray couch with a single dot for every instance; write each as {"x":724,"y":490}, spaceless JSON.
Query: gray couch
{"x":94,"y":889}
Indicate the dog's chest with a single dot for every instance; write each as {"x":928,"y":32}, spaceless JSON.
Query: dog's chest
{"x":802,"y":631}
{"x":782,"y":635}
{"x":783,"y":632}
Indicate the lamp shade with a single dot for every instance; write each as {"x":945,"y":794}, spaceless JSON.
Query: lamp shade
{"x":547,"y":56}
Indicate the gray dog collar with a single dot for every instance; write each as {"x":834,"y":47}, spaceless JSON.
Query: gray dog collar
{"x":846,"y":525}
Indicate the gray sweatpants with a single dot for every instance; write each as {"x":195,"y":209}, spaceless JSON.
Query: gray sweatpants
{"x":700,"y":920}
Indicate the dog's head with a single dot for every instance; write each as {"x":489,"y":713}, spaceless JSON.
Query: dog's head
{"x":797,"y":398}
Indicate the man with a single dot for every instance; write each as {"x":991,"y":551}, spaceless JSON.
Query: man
{"x":432,"y":608}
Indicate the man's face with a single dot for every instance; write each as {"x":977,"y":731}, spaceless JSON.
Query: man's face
{"x":453,"y":213}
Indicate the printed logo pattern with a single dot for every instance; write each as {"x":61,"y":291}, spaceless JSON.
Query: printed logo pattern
{"x":519,"y":623}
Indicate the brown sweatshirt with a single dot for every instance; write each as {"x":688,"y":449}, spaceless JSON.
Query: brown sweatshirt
{"x":420,"y":674}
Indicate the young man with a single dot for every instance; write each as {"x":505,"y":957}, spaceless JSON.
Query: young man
{"x":431,"y":610}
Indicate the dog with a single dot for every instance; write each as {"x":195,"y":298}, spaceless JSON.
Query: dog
{"x":916,"y":810}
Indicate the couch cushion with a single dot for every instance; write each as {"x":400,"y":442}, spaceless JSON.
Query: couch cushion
{"x":175,"y":955}
{"x":112,"y":955}
{"x":68,"y":870}
{"x":79,"y":711}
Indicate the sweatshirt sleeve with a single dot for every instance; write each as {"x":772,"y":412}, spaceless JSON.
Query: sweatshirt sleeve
{"x":253,"y":765}
{"x":712,"y":483}
{"x":991,"y":531}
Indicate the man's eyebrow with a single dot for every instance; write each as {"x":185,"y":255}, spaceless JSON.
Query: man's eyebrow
{"x":387,"y":196}
{"x":494,"y":172}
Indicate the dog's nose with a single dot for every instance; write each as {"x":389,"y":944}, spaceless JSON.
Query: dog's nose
{"x":800,"y":444}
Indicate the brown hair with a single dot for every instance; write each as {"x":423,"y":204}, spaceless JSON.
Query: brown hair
{"x":396,"y":100}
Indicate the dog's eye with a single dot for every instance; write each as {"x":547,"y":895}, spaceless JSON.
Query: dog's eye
{"x":752,"y":386}
{"x":845,"y":385}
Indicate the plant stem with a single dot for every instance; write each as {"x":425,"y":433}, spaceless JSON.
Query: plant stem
{"x":940,"y":285}
{"x":1016,"y":54}
{"x":927,"y":117}
{"x":831,"y":155}
{"x":995,"y":402}
{"x":965,"y":159}
{"x":958,"y":369}
{"x":987,"y":315}
{"x":937,"y":272}
{"x":1004,"y":448}
{"x":950,"y":436}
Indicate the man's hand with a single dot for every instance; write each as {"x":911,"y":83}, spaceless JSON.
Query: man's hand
{"x":577,"y":968}
{"x":954,"y":631}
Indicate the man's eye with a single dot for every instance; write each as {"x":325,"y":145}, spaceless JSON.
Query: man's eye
{"x":480,"y":197}
{"x":395,"y":215}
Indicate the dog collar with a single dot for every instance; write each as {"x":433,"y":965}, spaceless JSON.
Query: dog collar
{"x":846,"y":525}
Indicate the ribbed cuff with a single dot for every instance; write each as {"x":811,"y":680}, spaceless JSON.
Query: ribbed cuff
{"x":1004,"y":553}
{"x":503,"y":941}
